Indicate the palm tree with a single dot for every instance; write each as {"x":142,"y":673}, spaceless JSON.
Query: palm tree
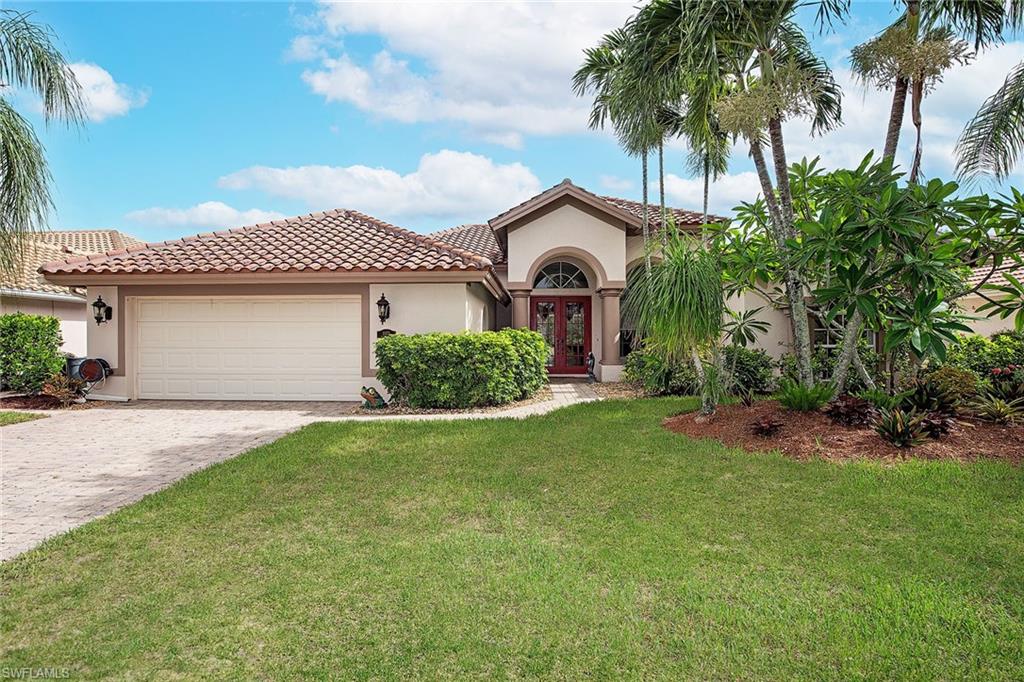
{"x":29,"y":60}
{"x":676,"y":305}
{"x":757,"y":53}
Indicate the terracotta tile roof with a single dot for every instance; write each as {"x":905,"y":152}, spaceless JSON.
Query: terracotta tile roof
{"x":682,"y":216}
{"x":27,"y":277}
{"x":45,"y":247}
{"x":89,"y":241}
{"x":338,"y":240}
{"x":997,"y":278}
{"x":631,"y":210}
{"x":476,"y":238}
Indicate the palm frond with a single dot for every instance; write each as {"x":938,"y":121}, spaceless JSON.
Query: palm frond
{"x":993,"y":140}
{"x":29,"y":59}
{"x":24,"y":186}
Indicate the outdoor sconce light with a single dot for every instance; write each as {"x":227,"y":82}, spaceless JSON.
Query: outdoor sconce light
{"x":383,"y":309}
{"x":101,"y":311}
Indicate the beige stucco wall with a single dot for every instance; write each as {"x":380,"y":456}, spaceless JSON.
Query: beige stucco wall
{"x":480,"y":306}
{"x":71,"y":314}
{"x":985,"y":326}
{"x":567,"y":226}
{"x":421,"y":308}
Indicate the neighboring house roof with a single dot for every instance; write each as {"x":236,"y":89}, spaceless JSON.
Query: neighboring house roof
{"x":338,"y":240}
{"x":89,"y":241}
{"x":476,"y":238}
{"x":46,"y":247}
{"x":998,"y":278}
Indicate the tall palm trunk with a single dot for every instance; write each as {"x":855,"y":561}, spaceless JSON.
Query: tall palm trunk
{"x":899,"y":105}
{"x":661,"y":182}
{"x":783,"y":214}
{"x":707,"y":188}
{"x":644,"y":219}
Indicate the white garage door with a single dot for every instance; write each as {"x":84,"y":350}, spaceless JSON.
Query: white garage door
{"x":265,"y":348}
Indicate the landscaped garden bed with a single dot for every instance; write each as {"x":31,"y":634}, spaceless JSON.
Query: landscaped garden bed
{"x":41,"y":401}
{"x":805,"y":435}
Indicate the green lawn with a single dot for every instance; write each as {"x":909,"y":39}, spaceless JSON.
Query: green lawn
{"x":587,"y":543}
{"x":7,"y":417}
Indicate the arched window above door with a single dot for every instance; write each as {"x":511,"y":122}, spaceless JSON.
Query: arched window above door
{"x":560,"y":275}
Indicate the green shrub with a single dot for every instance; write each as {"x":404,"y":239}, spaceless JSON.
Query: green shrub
{"x":993,"y":408}
{"x":656,"y":377}
{"x":461,"y":370}
{"x":925,"y":397}
{"x":880,"y":399}
{"x":530,"y":371}
{"x":794,"y":396}
{"x":754,"y":369}
{"x":29,"y":351}
{"x":902,"y":429}
{"x":981,"y":355}
{"x":957,"y":382}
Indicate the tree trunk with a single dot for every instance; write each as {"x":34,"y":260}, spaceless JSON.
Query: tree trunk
{"x":646,"y":225}
{"x":794,"y":282}
{"x":865,"y":375}
{"x":848,"y":351}
{"x":916,"y":95}
{"x":899,"y":104}
{"x":661,"y":180}
{"x":707,"y":187}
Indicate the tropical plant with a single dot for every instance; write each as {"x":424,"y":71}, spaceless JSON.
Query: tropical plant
{"x":63,"y":389}
{"x":849,"y":410}
{"x":676,"y":305}
{"x":751,"y":64}
{"x":801,"y":398}
{"x":29,"y":60}
{"x":925,"y":396}
{"x":960,"y":384}
{"x":935,"y":425}
{"x":766,"y":427}
{"x":900,"y":428}
{"x":881,"y":399}
{"x":993,"y":408}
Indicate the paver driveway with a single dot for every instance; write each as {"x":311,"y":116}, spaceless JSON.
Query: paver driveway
{"x":59,"y":472}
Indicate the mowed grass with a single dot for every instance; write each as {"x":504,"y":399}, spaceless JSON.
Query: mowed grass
{"x":587,"y":543}
{"x":8,"y":417}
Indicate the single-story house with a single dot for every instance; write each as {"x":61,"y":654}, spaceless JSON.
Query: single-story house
{"x":27,"y":291}
{"x":291,"y":309}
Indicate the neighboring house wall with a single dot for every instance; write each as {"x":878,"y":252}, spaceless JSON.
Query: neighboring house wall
{"x":985,"y":326}
{"x":72,"y":316}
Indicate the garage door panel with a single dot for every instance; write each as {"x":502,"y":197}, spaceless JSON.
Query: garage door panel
{"x":250,"y":349}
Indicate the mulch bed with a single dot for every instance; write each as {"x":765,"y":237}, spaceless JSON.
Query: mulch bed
{"x":42,"y":402}
{"x":812,"y":435}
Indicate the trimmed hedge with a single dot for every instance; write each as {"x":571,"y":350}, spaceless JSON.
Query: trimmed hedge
{"x":29,"y":351}
{"x":462,"y":370}
{"x":981,"y":355}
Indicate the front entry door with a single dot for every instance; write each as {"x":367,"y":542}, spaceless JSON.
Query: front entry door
{"x":564,"y":322}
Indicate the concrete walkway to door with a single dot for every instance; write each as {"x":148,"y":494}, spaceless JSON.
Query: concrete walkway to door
{"x":71,"y":467}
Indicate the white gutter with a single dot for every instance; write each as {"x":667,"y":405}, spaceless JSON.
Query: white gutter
{"x":41,"y":295}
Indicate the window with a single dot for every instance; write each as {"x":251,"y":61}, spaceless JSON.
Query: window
{"x":560,"y":275}
{"x":830,"y":337}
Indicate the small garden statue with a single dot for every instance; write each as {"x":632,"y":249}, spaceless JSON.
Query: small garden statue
{"x":372,"y":399}
{"x":591,"y":361}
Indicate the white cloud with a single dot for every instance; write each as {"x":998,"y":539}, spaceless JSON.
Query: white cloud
{"x":725,"y":193}
{"x":103,"y":96}
{"x":502,"y":70}
{"x":616,"y":184}
{"x":445,"y":184}
{"x":207,"y":215}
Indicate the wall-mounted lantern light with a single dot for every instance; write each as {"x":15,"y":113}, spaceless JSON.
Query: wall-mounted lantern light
{"x":101,"y":311}
{"x":383,"y":309}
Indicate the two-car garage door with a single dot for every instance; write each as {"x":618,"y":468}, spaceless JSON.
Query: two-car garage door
{"x":260,"y":348}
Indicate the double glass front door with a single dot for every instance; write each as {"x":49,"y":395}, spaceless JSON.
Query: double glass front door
{"x":564,"y":322}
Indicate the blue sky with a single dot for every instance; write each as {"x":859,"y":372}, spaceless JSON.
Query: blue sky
{"x":206,"y":116}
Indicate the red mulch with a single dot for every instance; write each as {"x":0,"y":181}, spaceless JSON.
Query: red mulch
{"x":806,"y":435}
{"x":39,"y":402}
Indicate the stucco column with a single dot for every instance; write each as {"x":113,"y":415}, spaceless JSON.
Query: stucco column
{"x":610,"y":326}
{"x":520,"y":308}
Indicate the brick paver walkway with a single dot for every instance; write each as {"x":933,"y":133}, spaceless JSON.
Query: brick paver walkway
{"x":59,"y":472}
